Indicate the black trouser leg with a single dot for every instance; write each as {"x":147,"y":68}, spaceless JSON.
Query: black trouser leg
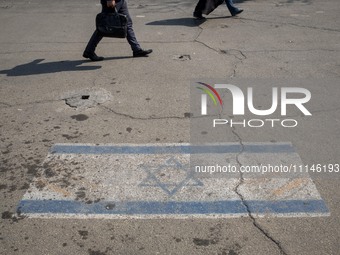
{"x":200,"y":6}
{"x":121,"y":6}
{"x":131,"y":37}
{"x":94,"y":40}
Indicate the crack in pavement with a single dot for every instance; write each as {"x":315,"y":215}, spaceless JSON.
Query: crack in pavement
{"x":225,"y":52}
{"x":207,"y":46}
{"x":308,"y":50}
{"x":244,"y":202}
{"x":202,"y":43}
{"x":237,"y":54}
{"x":293,"y":24}
{"x":186,"y":115}
{"x":313,"y":112}
{"x":145,"y":118}
{"x":326,"y":110}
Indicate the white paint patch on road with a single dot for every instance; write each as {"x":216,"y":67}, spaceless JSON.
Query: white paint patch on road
{"x":153,"y":180}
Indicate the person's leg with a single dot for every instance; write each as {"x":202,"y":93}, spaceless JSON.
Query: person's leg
{"x":91,"y":47}
{"x":232,"y":8}
{"x":199,"y":8}
{"x":131,"y":37}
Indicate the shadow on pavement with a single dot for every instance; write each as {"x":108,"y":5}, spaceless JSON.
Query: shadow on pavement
{"x":283,"y":1}
{"x":241,"y":1}
{"x":222,"y":17}
{"x":188,"y":22}
{"x":36,"y":67}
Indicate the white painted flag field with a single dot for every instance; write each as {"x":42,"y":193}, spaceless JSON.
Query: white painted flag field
{"x":156,"y":180}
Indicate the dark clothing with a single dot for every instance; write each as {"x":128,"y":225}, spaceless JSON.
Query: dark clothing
{"x":231,"y":7}
{"x":202,"y":5}
{"x":121,"y":7}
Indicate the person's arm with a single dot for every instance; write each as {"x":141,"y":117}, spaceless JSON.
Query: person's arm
{"x":111,"y":3}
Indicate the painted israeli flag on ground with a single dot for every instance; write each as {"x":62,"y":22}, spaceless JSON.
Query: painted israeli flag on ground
{"x":156,"y":180}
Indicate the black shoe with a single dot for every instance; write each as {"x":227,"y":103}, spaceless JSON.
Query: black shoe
{"x":93,"y":56}
{"x":236,"y":12}
{"x":141,"y":53}
{"x":198,"y":15}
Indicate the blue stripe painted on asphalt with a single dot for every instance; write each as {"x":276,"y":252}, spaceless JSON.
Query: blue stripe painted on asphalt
{"x":171,"y":207}
{"x":174,"y":149}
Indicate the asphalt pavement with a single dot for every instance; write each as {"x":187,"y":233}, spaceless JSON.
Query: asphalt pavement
{"x":50,"y":97}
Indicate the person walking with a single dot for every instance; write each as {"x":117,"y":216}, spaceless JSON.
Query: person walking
{"x":207,"y":6}
{"x":109,"y":7}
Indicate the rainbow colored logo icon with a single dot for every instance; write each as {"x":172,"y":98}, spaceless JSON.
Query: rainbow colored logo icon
{"x":212,"y":93}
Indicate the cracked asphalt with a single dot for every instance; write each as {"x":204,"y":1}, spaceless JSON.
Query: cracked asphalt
{"x":41,"y":48}
{"x":258,"y":226}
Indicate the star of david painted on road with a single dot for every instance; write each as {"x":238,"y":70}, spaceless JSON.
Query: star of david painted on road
{"x":171,"y":186}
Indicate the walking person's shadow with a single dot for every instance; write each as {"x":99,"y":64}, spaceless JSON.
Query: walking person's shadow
{"x":36,"y":67}
{"x":186,"y":22}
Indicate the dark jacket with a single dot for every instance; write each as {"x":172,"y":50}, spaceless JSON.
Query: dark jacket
{"x":106,"y":9}
{"x":211,"y":5}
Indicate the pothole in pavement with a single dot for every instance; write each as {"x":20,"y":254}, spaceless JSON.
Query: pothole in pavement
{"x":86,"y":98}
{"x":181,"y":57}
